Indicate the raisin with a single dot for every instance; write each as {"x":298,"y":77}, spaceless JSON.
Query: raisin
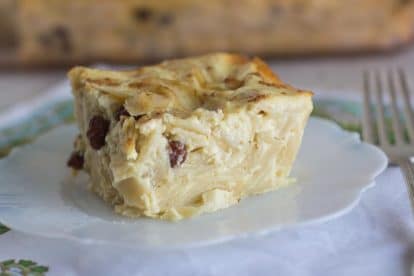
{"x":276,"y":10}
{"x":142,"y":14}
{"x":177,"y":152}
{"x":75,"y":160}
{"x":98,"y":128}
{"x":62,"y":35}
{"x":166,"y":19}
{"x":405,"y":2}
{"x":121,"y":112}
{"x":58,"y":37}
{"x":45,"y":40}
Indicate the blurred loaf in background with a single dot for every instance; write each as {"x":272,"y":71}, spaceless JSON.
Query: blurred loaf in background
{"x":55,"y":32}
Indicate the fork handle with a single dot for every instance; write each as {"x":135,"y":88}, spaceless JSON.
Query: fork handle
{"x":408,"y":170}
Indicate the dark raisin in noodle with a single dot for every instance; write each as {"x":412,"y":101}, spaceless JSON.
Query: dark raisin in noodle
{"x":177,"y":152}
{"x":75,"y":160}
{"x":98,"y":128}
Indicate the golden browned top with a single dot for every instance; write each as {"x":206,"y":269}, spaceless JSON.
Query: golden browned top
{"x":180,"y":86}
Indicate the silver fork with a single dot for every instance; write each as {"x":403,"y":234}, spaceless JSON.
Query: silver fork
{"x":395,"y":84}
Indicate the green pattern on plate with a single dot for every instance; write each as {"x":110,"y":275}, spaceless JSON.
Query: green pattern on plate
{"x":3,"y":229}
{"x":42,"y":120}
{"x":22,"y":267}
{"x":348,"y":115}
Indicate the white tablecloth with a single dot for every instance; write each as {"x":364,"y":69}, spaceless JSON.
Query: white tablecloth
{"x":375,"y":238}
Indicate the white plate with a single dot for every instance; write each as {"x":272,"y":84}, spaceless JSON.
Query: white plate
{"x":332,"y":169}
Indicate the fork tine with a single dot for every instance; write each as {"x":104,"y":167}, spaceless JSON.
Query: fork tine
{"x":367,"y":125}
{"x":396,"y":124}
{"x":408,"y":112}
{"x":408,"y":169}
{"x":382,"y":132}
